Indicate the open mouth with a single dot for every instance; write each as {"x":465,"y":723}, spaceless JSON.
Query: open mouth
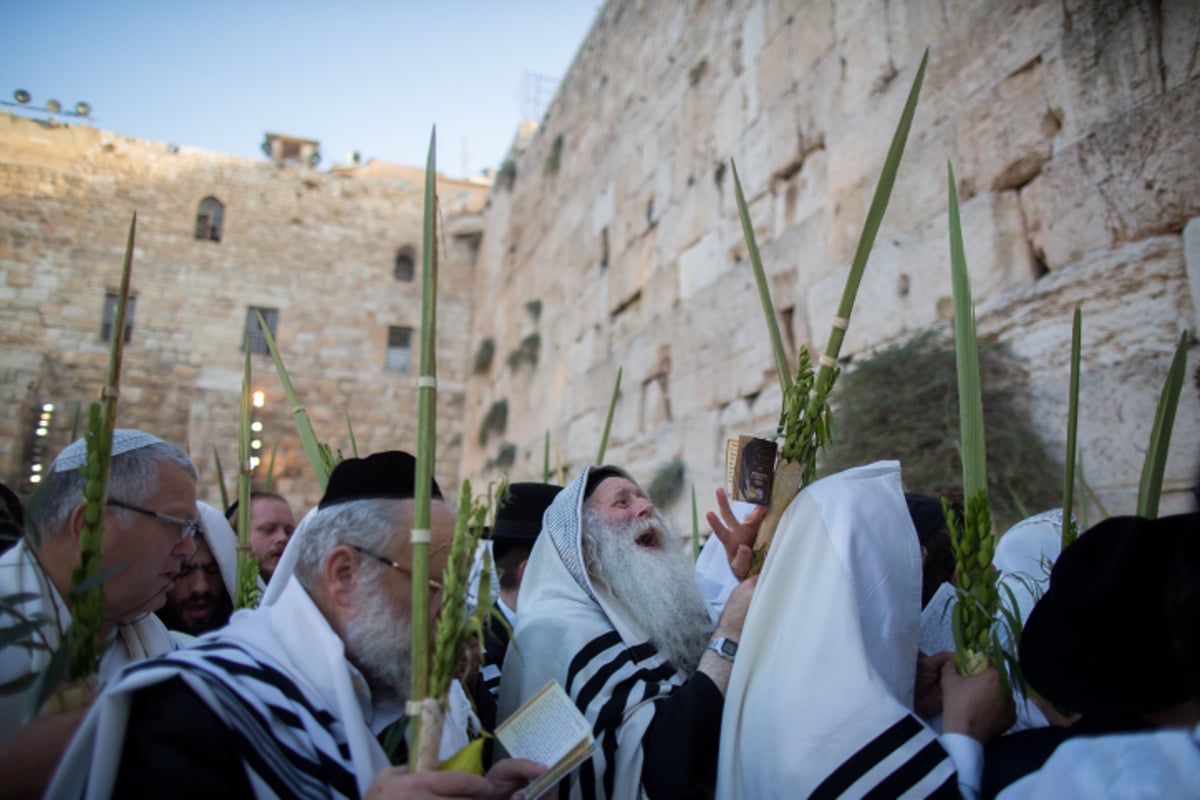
{"x":648,"y":539}
{"x":197,"y":610}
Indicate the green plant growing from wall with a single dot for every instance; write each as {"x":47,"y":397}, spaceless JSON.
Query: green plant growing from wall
{"x":534,"y":308}
{"x":507,"y":175}
{"x":495,"y":421}
{"x":554,"y":160}
{"x":526,"y":352}
{"x":667,"y":484}
{"x":484,"y":355}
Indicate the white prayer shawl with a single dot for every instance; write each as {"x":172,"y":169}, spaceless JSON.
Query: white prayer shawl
{"x":1134,"y":766}
{"x":291,"y":696}
{"x":21,"y":573}
{"x":574,"y":632}
{"x":222,"y":541}
{"x":461,"y":720}
{"x":820,"y":696}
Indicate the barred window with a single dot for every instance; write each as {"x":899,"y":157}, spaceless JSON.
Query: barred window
{"x":254,"y":340}
{"x":209,"y":219}
{"x":399,"y":348}
{"x":109,"y":316}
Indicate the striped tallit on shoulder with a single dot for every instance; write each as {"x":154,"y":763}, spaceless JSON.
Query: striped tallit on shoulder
{"x":819,"y":702}
{"x":289,"y":744}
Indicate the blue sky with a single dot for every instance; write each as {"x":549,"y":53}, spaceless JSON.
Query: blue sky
{"x":367,"y":75}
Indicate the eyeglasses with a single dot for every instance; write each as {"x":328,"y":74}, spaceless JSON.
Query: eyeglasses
{"x":187,"y":527}
{"x":396,"y":565}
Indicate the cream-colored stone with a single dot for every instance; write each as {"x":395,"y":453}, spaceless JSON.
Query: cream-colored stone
{"x":1191,"y":252}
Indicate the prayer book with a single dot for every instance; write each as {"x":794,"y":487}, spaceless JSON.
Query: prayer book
{"x":750,"y":469}
{"x":548,"y":729}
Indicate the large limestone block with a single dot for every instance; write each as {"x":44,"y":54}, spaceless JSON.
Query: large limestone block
{"x":906,"y":284}
{"x":1191,"y":251}
{"x":1135,"y":304}
{"x":913,"y":25}
{"x":1132,"y":177}
{"x":1180,"y":44}
{"x":700,"y":266}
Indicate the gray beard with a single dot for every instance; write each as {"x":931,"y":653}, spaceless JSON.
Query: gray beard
{"x":657,"y":588}
{"x":380,"y":645}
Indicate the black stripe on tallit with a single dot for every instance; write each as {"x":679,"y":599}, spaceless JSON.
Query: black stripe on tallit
{"x":948,"y":790}
{"x":589,"y":651}
{"x":264,"y":751}
{"x":613,"y":712}
{"x":596,"y":683}
{"x":267,"y":674}
{"x":908,"y":774}
{"x":866,"y":758}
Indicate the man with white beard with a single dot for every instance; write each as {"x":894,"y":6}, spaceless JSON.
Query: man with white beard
{"x":280,"y":703}
{"x":611,"y":609}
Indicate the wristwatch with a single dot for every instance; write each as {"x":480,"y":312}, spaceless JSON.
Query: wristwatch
{"x":724,"y":647}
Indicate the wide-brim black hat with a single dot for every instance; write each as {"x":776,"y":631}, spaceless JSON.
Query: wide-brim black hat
{"x":519,"y":515}
{"x":389,"y":475}
{"x":1097,"y":642}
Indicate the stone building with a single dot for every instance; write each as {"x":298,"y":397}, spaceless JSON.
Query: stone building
{"x":612,"y":241}
{"x":332,"y":258}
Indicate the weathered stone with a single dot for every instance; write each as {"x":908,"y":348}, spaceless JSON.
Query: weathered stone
{"x":1191,"y":253}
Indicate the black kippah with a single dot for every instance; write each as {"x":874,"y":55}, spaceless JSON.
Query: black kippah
{"x":598,"y":476}
{"x":389,"y":475}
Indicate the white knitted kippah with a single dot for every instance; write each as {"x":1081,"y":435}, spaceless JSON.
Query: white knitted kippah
{"x":124,"y":440}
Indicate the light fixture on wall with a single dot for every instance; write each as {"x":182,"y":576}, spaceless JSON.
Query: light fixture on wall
{"x":22,"y":99}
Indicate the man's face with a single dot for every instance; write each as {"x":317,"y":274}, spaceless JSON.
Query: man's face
{"x":271,"y":525}
{"x":198,"y":602}
{"x":621,"y":501}
{"x":378,"y":635}
{"x":150,"y":551}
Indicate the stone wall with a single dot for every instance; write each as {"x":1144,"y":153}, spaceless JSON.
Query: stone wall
{"x":319,"y":247}
{"x":1072,"y":127}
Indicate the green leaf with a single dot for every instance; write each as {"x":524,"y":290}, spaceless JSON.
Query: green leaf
{"x":15,"y":633}
{"x":48,"y":680}
{"x":221,"y":480}
{"x":1150,"y":489}
{"x":95,"y":580}
{"x":303,"y":425}
{"x":612,"y":407}
{"x":695,"y":527}
{"x":350,"y":430}
{"x":760,"y":279}
{"x":18,"y":685}
{"x":1068,"y":520}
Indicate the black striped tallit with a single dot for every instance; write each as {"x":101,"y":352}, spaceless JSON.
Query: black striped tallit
{"x":905,"y":760}
{"x":290,"y":745}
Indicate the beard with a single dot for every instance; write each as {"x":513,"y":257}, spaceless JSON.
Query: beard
{"x":175,"y":618}
{"x":380,"y":644}
{"x":657,"y":587}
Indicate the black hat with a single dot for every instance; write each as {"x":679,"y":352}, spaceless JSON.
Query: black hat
{"x":519,"y":516}
{"x":389,"y":475}
{"x":1098,"y":642}
{"x":926,"y":512}
{"x":598,"y":475}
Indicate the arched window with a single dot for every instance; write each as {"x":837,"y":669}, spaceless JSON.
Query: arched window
{"x":209,"y":218}
{"x":405,"y":265}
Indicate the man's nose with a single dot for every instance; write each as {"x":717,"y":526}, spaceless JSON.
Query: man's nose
{"x":642,"y":507}
{"x":186,"y":548}
{"x":200,"y":581}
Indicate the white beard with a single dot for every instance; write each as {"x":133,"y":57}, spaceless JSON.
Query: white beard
{"x":380,"y":644}
{"x":657,"y":587}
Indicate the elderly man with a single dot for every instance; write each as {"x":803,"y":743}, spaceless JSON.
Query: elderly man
{"x":148,"y":537}
{"x":611,"y":609}
{"x":271,"y":526}
{"x":280,"y":702}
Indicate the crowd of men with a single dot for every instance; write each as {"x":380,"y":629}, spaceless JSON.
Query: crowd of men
{"x":823,"y":676}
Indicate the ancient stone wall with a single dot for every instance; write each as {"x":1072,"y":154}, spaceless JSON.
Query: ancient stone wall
{"x":318,"y":247}
{"x":1072,"y":127}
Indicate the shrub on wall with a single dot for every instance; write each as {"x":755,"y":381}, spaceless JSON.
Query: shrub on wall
{"x":902,"y":403}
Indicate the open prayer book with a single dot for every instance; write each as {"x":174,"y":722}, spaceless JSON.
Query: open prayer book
{"x":548,"y":729}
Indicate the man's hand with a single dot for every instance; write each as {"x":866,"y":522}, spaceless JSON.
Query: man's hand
{"x":503,"y":781}
{"x":737,"y":537}
{"x":975,"y":705}
{"x":927,"y":694}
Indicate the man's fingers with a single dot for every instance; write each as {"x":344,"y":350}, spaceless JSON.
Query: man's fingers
{"x":740,"y":565}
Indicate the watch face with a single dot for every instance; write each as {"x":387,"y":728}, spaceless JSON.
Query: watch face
{"x":728,"y":648}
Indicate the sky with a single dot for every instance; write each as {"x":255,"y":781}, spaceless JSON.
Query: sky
{"x":366,"y":75}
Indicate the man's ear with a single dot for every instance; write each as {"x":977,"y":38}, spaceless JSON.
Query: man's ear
{"x":340,"y":575}
{"x":75,"y":522}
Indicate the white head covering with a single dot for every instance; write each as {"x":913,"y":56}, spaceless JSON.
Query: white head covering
{"x":828,"y":654}
{"x":574,"y":632}
{"x":222,"y":541}
{"x":74,"y":455}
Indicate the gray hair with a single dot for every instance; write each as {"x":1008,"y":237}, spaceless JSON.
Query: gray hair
{"x":369,"y":523}
{"x":133,"y":477}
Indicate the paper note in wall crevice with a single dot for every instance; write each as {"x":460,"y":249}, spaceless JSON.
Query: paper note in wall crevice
{"x":550,"y":730}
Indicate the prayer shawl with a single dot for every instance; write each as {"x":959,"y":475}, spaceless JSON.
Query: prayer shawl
{"x":461,"y":721}
{"x":222,"y":541}
{"x":20,"y":573}
{"x":819,"y":700}
{"x":299,"y":713}
{"x":576,"y":633}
